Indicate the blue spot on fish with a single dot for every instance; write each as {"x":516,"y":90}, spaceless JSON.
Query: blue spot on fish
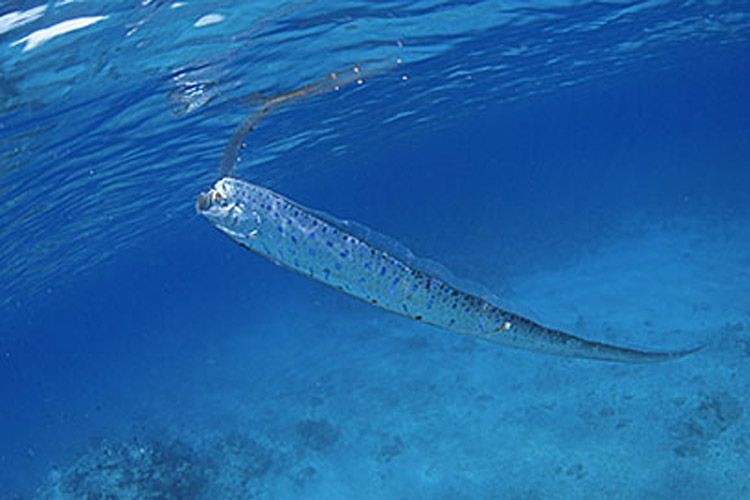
{"x":392,"y":291}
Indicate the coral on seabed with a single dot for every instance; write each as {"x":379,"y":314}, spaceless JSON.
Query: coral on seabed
{"x":705,"y":422}
{"x":230,"y":465}
{"x":129,"y":471}
{"x":317,"y":435}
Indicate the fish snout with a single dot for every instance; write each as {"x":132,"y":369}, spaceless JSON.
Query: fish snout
{"x":203,"y":202}
{"x":206,"y":200}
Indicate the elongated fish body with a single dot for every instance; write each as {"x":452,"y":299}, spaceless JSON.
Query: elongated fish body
{"x":301,"y":240}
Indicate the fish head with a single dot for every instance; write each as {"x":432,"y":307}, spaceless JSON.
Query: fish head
{"x":221,"y":204}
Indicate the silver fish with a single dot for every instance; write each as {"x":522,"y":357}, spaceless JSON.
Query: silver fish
{"x":302,"y":240}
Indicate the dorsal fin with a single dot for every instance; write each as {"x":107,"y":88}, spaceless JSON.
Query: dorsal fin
{"x":401,"y":252}
{"x":333,"y":81}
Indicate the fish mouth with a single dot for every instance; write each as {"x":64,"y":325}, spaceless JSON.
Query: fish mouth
{"x":210,"y":199}
{"x":203,"y":202}
{"x":214,"y":196}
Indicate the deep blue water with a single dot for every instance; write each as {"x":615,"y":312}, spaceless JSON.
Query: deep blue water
{"x":588,"y":162}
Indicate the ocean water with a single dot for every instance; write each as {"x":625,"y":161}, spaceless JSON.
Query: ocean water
{"x":587,"y":162}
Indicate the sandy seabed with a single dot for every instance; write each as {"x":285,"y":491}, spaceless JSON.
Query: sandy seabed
{"x":345,"y":401}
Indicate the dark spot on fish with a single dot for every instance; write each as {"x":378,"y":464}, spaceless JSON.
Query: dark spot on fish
{"x":382,"y":271}
{"x":344,"y":254}
{"x":374,"y":301}
{"x":418,"y":318}
{"x":329,"y":243}
{"x":294,"y":240}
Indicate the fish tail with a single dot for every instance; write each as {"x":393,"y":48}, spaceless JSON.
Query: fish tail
{"x":559,"y":343}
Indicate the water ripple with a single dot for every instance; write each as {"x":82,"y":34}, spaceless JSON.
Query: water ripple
{"x":112,"y":120}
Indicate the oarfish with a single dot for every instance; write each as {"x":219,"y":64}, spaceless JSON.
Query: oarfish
{"x":302,"y":240}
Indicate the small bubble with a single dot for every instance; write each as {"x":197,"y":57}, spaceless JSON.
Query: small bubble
{"x":404,"y":77}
